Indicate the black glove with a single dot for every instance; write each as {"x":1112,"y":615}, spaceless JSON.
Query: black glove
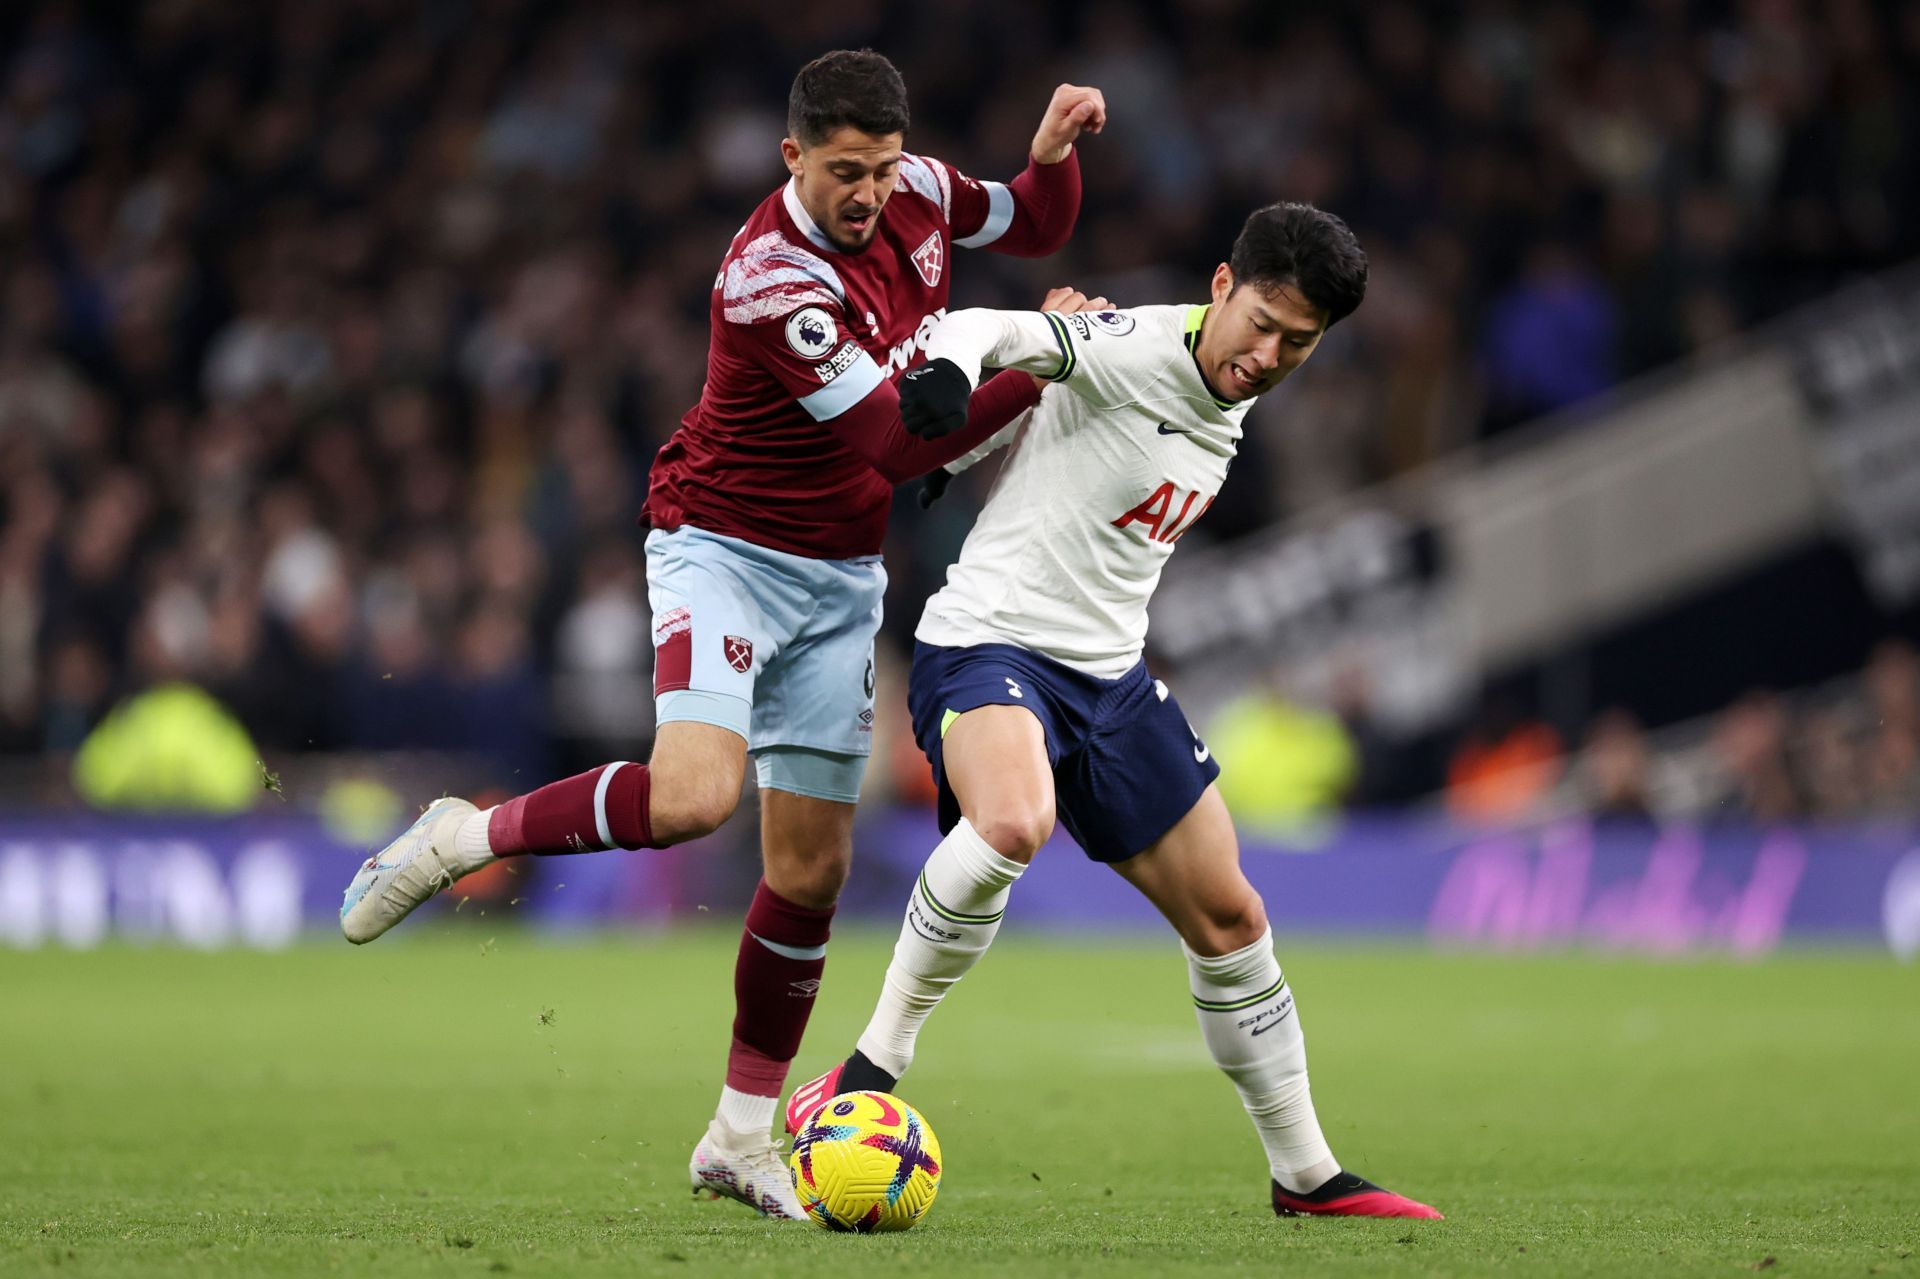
{"x":933,"y":486}
{"x":933,"y":399}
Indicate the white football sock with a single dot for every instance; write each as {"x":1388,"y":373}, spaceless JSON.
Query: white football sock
{"x":952,"y":916}
{"x":1252,"y":1029}
{"x":746,"y":1114}
{"x":470,"y":841}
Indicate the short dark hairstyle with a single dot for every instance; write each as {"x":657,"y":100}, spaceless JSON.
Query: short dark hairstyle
{"x":1306,"y":247}
{"x":848,"y":86}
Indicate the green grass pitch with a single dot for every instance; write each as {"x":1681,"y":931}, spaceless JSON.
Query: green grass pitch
{"x":448,"y":1102}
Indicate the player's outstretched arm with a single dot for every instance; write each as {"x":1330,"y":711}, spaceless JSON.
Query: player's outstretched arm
{"x":977,"y":341}
{"x":1034,"y":342}
{"x":1033,"y":215}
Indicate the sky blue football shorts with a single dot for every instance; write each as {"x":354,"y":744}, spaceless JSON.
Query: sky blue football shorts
{"x":776,"y":647}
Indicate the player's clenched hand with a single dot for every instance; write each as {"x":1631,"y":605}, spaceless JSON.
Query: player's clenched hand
{"x":1066,"y":299}
{"x":1075,"y":109}
{"x":933,"y":399}
{"x":933,"y":487}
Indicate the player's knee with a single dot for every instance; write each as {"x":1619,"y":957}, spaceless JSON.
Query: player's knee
{"x":1239,"y":922}
{"x":1016,"y":830}
{"x":1228,"y":924}
{"x":815,"y":883}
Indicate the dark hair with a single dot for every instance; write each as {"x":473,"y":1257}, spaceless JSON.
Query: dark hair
{"x":848,"y":86}
{"x":1306,"y":247}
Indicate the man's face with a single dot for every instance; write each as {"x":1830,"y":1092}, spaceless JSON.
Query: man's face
{"x":1254,"y":337}
{"x":844,"y":181}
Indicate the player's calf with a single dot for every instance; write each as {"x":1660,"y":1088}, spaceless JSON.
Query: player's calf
{"x":953,"y":914}
{"x":696,"y":772}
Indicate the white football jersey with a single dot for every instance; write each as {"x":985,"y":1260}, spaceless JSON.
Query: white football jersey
{"x":1106,"y":474}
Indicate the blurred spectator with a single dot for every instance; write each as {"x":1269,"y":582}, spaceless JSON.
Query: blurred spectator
{"x":1504,"y":767}
{"x":170,"y":748}
{"x":1616,"y":768}
{"x":1550,"y":340}
{"x":1828,"y":765}
{"x":1285,"y":767}
{"x":1749,"y":745}
{"x":1892,"y":756}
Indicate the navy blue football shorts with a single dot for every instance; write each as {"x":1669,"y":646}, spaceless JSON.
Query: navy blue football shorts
{"x":1126,"y":764}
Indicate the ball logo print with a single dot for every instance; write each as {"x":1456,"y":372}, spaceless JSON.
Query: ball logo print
{"x":739,"y":652}
{"x":811,"y":332}
{"x":866,"y":1162}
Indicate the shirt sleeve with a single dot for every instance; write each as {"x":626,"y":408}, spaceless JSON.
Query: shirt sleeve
{"x":1029,"y":217}
{"x":1030,"y":341}
{"x":810,"y":353}
{"x":1080,"y":350}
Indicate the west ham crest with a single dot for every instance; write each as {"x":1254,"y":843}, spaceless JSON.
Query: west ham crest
{"x":739,"y":653}
{"x":928,"y":259}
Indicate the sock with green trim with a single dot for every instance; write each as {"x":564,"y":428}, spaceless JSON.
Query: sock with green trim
{"x":1252,"y":1029}
{"x":952,"y":916}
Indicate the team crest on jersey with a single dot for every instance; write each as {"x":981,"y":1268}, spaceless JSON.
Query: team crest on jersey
{"x":739,"y":653}
{"x":928,"y":259}
{"x":811,"y":332}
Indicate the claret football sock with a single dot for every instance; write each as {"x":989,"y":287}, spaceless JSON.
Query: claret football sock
{"x":602,"y":808}
{"x":783,"y":953}
{"x":952,"y":916}
{"x":1252,"y":1028}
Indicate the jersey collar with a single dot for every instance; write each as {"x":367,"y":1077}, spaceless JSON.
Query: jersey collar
{"x":790,"y":196}
{"x":1196,"y":316}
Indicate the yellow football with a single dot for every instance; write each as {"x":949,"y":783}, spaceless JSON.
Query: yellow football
{"x":866,"y":1161}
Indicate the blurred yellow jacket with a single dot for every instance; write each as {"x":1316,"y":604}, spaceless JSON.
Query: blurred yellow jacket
{"x":1283,"y":767}
{"x":172,"y":747}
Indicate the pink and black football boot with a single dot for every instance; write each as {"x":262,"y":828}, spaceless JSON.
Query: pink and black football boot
{"x":1346,"y":1195}
{"x":855,"y":1074}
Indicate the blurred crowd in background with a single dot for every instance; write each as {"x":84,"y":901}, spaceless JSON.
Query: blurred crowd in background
{"x":336,"y":338}
{"x":1846,"y":750}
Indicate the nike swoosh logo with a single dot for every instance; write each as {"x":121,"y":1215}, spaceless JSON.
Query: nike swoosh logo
{"x":1200,"y":753}
{"x":1169,"y":429}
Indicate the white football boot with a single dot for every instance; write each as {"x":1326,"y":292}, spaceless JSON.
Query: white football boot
{"x":745,"y":1169}
{"x":415,"y":866}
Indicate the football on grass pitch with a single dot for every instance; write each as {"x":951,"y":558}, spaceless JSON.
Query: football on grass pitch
{"x":866,"y":1161}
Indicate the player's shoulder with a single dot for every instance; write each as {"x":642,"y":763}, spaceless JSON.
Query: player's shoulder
{"x":768,"y":272}
{"x":928,"y":179}
{"x":1131,"y":329}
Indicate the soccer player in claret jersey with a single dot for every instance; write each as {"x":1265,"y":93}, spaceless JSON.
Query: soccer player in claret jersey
{"x":1028,"y":691}
{"x":768,"y":507}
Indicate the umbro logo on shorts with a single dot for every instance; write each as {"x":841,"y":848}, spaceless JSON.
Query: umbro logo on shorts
{"x":739,"y":653}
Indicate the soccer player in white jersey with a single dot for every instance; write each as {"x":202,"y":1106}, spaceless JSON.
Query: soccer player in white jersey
{"x":1029,"y":694}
